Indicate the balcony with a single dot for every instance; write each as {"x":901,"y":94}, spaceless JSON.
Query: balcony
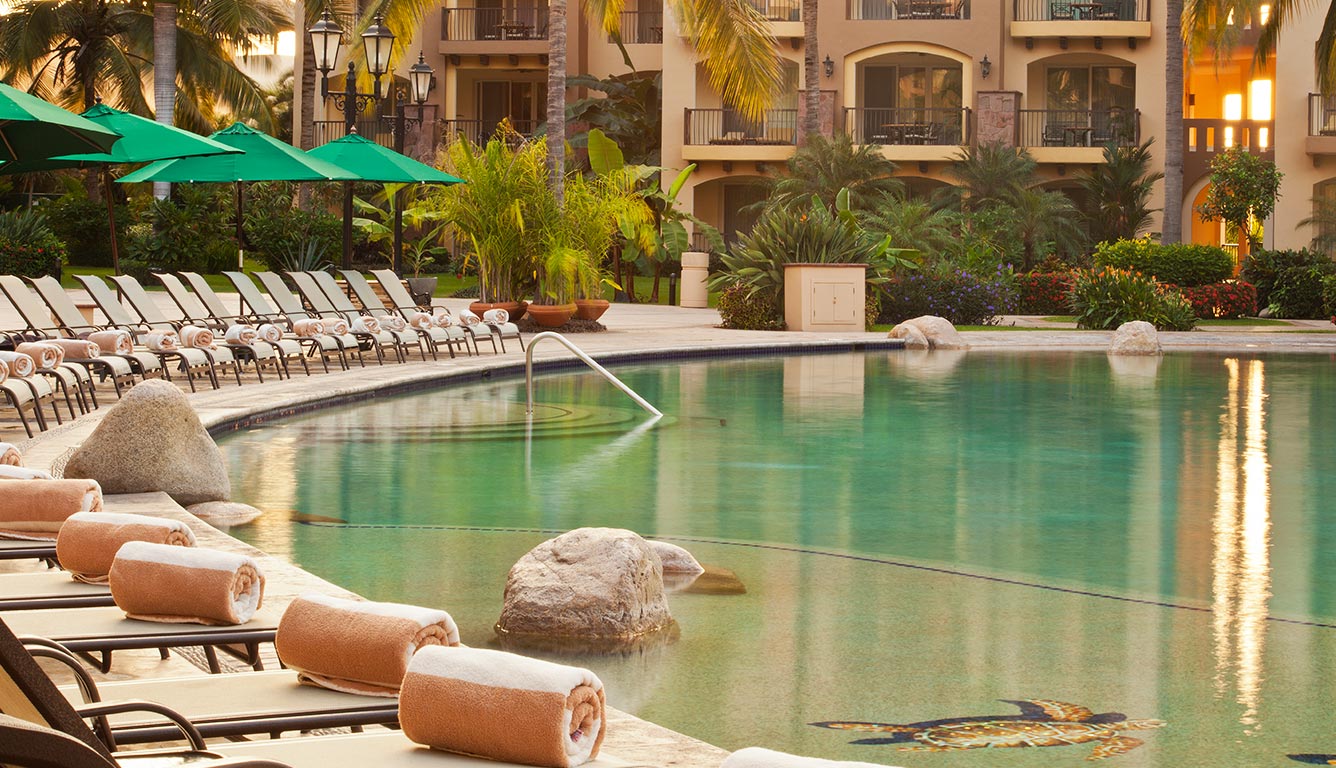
{"x":479,"y":131}
{"x":885,"y":10}
{"x":521,"y":29}
{"x":1076,"y":135}
{"x":724,"y":134}
{"x":1063,"y":19}
{"x":380,"y":131}
{"x":1321,"y":125}
{"x":641,"y":27}
{"x":910,"y":134}
{"x":1204,"y":138}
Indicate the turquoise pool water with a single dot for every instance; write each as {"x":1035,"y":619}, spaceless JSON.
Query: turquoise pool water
{"x":920,"y":536}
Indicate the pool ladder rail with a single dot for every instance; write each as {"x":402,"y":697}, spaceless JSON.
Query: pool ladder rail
{"x":587,"y":360}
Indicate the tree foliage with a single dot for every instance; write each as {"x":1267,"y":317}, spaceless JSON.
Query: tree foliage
{"x":1243,"y":185}
{"x":823,"y":167}
{"x":1117,"y":203}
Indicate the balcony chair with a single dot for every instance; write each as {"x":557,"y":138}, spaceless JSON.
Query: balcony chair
{"x":1060,"y":10}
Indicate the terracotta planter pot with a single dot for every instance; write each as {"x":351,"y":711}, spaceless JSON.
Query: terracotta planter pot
{"x":551,"y":315}
{"x":515,"y":308}
{"x":591,"y":309}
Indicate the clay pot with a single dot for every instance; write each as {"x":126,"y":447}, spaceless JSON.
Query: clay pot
{"x":516,"y":309}
{"x":591,"y":309}
{"x":551,"y":315}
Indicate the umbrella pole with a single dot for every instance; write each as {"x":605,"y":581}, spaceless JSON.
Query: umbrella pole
{"x":399,"y":231}
{"x":241,"y":234}
{"x":347,"y":225}
{"x":111,"y":220}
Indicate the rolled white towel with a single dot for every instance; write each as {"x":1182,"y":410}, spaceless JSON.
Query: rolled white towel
{"x":113,"y":342}
{"x":4,"y":371}
{"x":467,"y":317}
{"x":240,"y":334}
{"x":366,"y":324}
{"x":196,"y":337}
{"x":162,"y":342}
{"x":336,"y":326}
{"x":444,"y":319}
{"x":10,"y":472}
{"x":47,"y":355}
{"x":19,"y":364}
{"x":421,"y":321}
{"x":393,"y":323}
{"x":9,"y":454}
{"x":270,"y":333}
{"x":496,"y":317}
{"x":308,"y":327}
{"x":756,"y":757}
{"x":77,"y":349}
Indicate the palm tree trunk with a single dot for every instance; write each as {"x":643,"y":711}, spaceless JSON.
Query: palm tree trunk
{"x":164,"y":73}
{"x":1171,"y":228}
{"x":556,"y":96}
{"x":811,"y":74}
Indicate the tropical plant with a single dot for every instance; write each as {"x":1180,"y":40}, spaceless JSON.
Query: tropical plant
{"x":811,"y":124}
{"x":28,"y":247}
{"x":1267,"y":269}
{"x":1117,"y":201}
{"x":822,"y":167}
{"x":628,"y":112}
{"x":740,"y":309}
{"x":192,"y":231}
{"x":81,"y":223}
{"x":1179,"y":264}
{"x":990,"y":174}
{"x":423,"y":223}
{"x":1243,"y":186}
{"x":914,"y":224}
{"x":1108,"y":297}
{"x":275,"y":229}
{"x":1043,"y":293}
{"x":1231,"y":298}
{"x":1045,"y":220}
{"x":306,"y":256}
{"x":577,"y":233}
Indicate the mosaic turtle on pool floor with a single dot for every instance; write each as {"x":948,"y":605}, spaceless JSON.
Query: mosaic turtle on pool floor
{"x":1315,"y":759}
{"x":1042,"y":723}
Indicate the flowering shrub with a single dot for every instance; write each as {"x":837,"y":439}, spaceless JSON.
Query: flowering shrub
{"x":28,"y":247}
{"x":955,"y":294}
{"x":754,"y":312}
{"x":1043,"y":293}
{"x":1268,"y":269}
{"x":1108,"y":297}
{"x":1232,"y":298}
{"x":1179,"y":264}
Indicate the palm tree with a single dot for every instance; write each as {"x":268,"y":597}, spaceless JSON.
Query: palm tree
{"x":822,"y":167}
{"x":1171,"y":225}
{"x":991,"y":173}
{"x":1118,"y":193}
{"x":811,"y":77}
{"x":1045,"y":216}
{"x":914,"y":224}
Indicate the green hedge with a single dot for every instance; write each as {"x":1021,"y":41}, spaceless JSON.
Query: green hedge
{"x":1182,"y":264}
{"x":1284,"y":280}
{"x":745,"y":312}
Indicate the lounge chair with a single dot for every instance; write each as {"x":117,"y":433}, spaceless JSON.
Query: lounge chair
{"x":263,"y":311}
{"x":196,"y":312}
{"x":24,"y":549}
{"x":292,"y":306}
{"x":189,"y":362}
{"x":224,"y":355}
{"x":27,"y":394}
{"x":404,"y":303}
{"x":40,"y":590}
{"x":329,"y":288}
{"x":447,"y":337}
{"x":119,"y":369}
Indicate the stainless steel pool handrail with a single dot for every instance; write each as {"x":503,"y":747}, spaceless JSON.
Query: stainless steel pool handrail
{"x":584,"y":358}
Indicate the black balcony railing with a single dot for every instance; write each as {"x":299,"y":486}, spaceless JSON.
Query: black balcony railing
{"x":1321,"y":115}
{"x":380,"y":131}
{"x":519,"y":23}
{"x":479,"y":131}
{"x":779,"y":10}
{"x":640,"y":27}
{"x":728,"y":126}
{"x":881,"y":10}
{"x":1081,"y":10}
{"x":1079,"y":127}
{"x":936,"y":127}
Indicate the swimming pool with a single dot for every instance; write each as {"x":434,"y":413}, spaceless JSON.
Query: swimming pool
{"x":920,"y":536}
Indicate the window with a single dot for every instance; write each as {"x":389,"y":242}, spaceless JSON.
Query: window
{"x":1091,"y":88}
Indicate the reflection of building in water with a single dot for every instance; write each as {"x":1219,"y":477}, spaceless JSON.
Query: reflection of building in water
{"x":1241,"y":565}
{"x":818,"y":386}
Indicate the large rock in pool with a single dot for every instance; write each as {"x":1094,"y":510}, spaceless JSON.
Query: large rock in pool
{"x":1137,"y":337}
{"x":937,"y":331}
{"x":152,"y":441}
{"x":589,"y":583}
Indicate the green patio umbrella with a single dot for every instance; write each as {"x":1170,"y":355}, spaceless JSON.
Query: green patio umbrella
{"x":373,"y":162}
{"x":142,"y":141}
{"x":262,"y":158}
{"x":33,"y":129}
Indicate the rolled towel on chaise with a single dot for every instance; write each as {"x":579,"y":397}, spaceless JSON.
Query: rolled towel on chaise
{"x":113,"y":342}
{"x":468,"y":317}
{"x":4,"y":371}
{"x":366,"y":324}
{"x":444,"y":319}
{"x":270,"y":333}
{"x":185,"y":585}
{"x":756,"y":757}
{"x":46,"y":355}
{"x":19,"y":364}
{"x":162,"y":341}
{"x":393,"y":323}
{"x":77,"y":349}
{"x":241,"y":334}
{"x":88,"y":541}
{"x":9,"y":454}
{"x":421,"y":321}
{"x":193,"y":336}
{"x":10,"y":472}
{"x":357,"y":646}
{"x":496,"y":317}
{"x":502,"y":706}
{"x":35,"y":509}
{"x":308,"y":327}
{"x":335,"y":326}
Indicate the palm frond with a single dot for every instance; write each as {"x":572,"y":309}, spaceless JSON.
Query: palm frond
{"x":736,"y":48}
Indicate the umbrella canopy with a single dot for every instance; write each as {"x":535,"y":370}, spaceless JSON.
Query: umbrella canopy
{"x":372,"y":162}
{"x":142,"y":141}
{"x":264,"y":158}
{"x":32,"y":129}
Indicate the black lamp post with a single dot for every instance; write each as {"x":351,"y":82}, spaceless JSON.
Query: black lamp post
{"x":378,"y":42}
{"x":420,"y":77}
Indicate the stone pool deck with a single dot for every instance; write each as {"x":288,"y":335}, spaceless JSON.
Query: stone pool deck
{"x":635,"y":332}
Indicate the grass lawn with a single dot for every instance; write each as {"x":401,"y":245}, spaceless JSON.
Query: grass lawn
{"x":1242,"y":321}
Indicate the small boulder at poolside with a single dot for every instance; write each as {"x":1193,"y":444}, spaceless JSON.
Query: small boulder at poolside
{"x":938,"y":332}
{"x":675,"y":559}
{"x":224,"y":514}
{"x":151,"y":440}
{"x":1137,"y":337}
{"x":589,"y":583}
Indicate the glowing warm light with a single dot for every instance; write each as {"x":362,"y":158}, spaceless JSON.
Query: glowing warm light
{"x":286,"y":45}
{"x":1264,"y":13}
{"x":1259,"y":100}
{"x":1233,"y":106}
{"x":1263,"y":137}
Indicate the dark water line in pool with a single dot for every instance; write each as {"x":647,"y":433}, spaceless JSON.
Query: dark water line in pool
{"x":840,"y":555}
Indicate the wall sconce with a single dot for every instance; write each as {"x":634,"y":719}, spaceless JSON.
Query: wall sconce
{"x":985,"y":67}
{"x":828,"y":66}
